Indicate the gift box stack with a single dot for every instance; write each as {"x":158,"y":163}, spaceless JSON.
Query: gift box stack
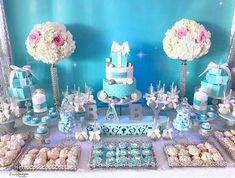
{"x":20,"y":82}
{"x":217,"y":80}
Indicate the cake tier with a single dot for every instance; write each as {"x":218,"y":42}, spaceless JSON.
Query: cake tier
{"x":119,"y":90}
{"x":119,"y":74}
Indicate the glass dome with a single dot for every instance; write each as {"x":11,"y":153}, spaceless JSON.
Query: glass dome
{"x":184,"y":107}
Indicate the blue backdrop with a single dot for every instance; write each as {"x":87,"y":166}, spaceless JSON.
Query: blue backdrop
{"x":96,"y":23}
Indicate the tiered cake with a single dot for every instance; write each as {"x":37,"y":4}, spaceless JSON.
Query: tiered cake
{"x":119,"y":83}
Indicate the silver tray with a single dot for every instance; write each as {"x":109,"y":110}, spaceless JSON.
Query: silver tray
{"x":225,"y":146}
{"x":150,"y":165}
{"x":19,"y":167}
{"x":194,"y":163}
{"x":11,"y":166}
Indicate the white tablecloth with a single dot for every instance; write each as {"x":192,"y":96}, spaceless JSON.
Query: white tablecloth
{"x":162,"y":171}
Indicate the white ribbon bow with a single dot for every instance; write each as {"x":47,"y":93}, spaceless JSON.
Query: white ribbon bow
{"x":15,"y":69}
{"x":154,"y":131}
{"x":124,"y":48}
{"x":212,"y":65}
{"x":167,"y":133}
{"x":84,"y":134}
{"x":94,"y":135}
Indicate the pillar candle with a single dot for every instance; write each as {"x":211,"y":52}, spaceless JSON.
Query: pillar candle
{"x":200,"y":100}
{"x":39,"y":101}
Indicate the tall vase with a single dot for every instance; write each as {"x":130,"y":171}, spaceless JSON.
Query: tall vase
{"x":55,"y":87}
{"x":183,"y":75}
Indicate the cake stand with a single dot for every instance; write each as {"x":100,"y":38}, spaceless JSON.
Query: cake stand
{"x":111,"y":114}
{"x":41,"y":137}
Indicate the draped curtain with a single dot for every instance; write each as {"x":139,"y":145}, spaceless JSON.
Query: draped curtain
{"x":5,"y":53}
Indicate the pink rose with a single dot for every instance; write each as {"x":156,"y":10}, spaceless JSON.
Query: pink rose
{"x":202,"y":35}
{"x":58,"y":40}
{"x":181,"y":32}
{"x":34,"y":36}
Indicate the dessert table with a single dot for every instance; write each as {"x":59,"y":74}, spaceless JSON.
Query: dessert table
{"x":163,"y":170}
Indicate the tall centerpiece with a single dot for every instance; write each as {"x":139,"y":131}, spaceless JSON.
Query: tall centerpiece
{"x":186,"y":40}
{"x":50,"y":42}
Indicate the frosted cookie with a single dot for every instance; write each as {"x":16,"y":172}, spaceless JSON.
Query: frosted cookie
{"x":173,"y":159}
{"x":60,"y":161}
{"x":208,"y":145}
{"x":171,"y":150}
{"x":194,"y":151}
{"x":202,"y":147}
{"x":40,"y":161}
{"x":183,"y":152}
{"x":5,"y":138}
{"x":196,"y":158}
{"x":184,"y":159}
{"x":27,"y":160}
{"x":217,"y":157}
{"x":53,"y":153}
{"x":213,"y":150}
{"x":4,"y":161}
{"x":232,"y":131}
{"x":228,"y":134}
{"x":42,"y":154}
{"x":74,"y":151}
{"x":64,"y":153}
{"x":228,"y":142}
{"x":206,"y":157}
{"x":71,"y":161}
{"x":179,"y":146}
{"x":13,"y":145}
{"x":2,"y":144}
{"x":11,"y":154}
{"x":50,"y":163}
{"x":34,"y":151}
{"x":43,"y":150}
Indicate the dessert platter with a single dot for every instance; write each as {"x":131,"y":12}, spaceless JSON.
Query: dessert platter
{"x":11,"y":148}
{"x":227,"y":140}
{"x":194,"y":155}
{"x":134,"y":154}
{"x":63,"y":157}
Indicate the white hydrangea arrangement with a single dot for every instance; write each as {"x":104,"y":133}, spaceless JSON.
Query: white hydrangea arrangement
{"x":50,"y":42}
{"x":187,"y":40}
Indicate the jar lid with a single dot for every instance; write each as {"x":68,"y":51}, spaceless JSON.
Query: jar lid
{"x":184,"y":106}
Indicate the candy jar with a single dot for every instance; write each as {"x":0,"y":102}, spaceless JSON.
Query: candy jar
{"x":182,"y":121}
{"x":67,"y":122}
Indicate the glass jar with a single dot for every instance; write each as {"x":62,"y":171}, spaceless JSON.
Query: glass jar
{"x":67,"y":116}
{"x":182,"y":121}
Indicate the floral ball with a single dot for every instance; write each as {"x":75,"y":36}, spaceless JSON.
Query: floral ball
{"x":187,"y":40}
{"x":50,"y":42}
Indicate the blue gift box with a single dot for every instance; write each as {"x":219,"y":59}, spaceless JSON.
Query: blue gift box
{"x":213,"y":89}
{"x":116,"y":56}
{"x":21,"y":82}
{"x":217,"y":79}
{"x":216,"y":71}
{"x":20,"y":93}
{"x":21,"y":75}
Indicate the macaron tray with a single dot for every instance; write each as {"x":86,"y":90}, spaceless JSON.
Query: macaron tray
{"x":131,"y":154}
